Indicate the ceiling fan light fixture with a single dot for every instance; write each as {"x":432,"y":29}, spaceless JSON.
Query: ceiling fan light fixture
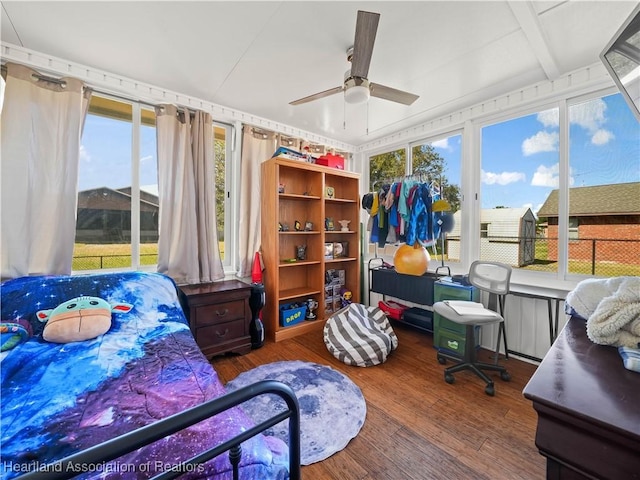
{"x":356,"y":91}
{"x":357,"y":94}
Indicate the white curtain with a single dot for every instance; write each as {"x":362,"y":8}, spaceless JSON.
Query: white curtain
{"x":188,"y":241}
{"x":256,"y":148}
{"x":41,"y":129}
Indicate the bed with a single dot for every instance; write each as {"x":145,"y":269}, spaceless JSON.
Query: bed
{"x":103,"y":402}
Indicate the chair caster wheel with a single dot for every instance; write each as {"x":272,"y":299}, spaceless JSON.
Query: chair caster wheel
{"x":442,"y":360}
{"x":449,"y":378}
{"x":490,"y":390}
{"x":505,"y":376}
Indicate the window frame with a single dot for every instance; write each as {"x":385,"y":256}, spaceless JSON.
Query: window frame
{"x":408,"y":147}
{"x":471,"y":129}
{"x":231,"y":181}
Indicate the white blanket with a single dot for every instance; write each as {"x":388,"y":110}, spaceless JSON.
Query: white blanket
{"x":616,"y":317}
{"x":585,"y":298}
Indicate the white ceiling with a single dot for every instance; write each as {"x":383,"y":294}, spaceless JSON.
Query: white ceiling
{"x":256,"y":57}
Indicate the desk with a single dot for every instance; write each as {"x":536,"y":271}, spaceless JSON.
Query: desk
{"x":588,"y":409}
{"x":543,"y":293}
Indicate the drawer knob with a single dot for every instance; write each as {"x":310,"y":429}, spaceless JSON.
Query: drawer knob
{"x":222,"y":313}
{"x":226,"y":330}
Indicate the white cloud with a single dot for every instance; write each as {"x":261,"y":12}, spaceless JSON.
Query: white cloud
{"x":503,"y":178}
{"x":541,"y":142}
{"x":84,"y":154}
{"x":602,"y":137}
{"x":443,"y":144}
{"x":549,"y":118}
{"x":146,"y":158}
{"x":548,"y":177}
{"x":545,"y":176}
{"x":588,"y":115}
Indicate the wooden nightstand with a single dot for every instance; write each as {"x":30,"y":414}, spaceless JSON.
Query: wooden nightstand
{"x":219,"y":316}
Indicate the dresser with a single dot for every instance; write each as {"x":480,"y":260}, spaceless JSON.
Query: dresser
{"x":588,"y":409}
{"x":219,"y":316}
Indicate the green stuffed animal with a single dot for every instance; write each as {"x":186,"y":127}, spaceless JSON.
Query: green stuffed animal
{"x":79,"y":319}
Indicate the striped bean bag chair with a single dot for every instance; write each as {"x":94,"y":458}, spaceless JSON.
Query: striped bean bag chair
{"x":360,"y":335}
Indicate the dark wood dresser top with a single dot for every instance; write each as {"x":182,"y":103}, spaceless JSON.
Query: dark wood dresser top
{"x":588,"y":380}
{"x":588,"y":409}
{"x":215,"y":287}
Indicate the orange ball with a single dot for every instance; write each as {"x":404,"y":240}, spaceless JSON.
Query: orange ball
{"x":411,"y":259}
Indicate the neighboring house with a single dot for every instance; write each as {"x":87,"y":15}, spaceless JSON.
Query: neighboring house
{"x":604,"y":223}
{"x":104,"y":216}
{"x":507,"y":235}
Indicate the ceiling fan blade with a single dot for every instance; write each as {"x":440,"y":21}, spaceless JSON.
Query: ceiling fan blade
{"x":316,"y":96}
{"x":366,"y":29}
{"x":393,"y":94}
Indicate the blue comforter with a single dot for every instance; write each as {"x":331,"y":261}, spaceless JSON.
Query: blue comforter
{"x":58,"y":399}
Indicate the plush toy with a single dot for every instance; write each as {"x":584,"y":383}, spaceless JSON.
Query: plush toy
{"x":79,"y":319}
{"x":14,"y":332}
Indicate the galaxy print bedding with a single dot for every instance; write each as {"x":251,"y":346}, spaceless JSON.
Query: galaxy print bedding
{"x":61,"y":398}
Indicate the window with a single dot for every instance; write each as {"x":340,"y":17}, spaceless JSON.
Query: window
{"x":222,"y":151}
{"x":604,"y":188}
{"x":573,"y":228}
{"x":385,"y":167}
{"x":520,"y":166}
{"x":112,"y":231}
{"x":438,"y":162}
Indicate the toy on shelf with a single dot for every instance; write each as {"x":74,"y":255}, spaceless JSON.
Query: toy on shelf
{"x":345,"y":297}
{"x":344,"y":224}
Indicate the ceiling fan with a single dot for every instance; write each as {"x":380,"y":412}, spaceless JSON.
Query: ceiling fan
{"x":356,"y":87}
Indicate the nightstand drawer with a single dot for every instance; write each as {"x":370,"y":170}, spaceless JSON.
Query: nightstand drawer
{"x":221,"y":332}
{"x":219,"y":313}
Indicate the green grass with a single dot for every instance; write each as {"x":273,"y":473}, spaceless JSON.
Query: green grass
{"x":116,"y":255}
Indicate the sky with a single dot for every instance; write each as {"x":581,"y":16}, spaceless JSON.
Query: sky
{"x":105,"y":155}
{"x":519,"y":156}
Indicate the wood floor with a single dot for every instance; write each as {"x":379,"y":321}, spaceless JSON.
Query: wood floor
{"x":418,"y":426}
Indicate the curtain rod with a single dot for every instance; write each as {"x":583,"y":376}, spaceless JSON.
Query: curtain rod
{"x":39,"y":76}
{"x":63,"y":84}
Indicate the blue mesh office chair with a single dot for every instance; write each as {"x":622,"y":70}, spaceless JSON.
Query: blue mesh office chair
{"x":494,"y":278}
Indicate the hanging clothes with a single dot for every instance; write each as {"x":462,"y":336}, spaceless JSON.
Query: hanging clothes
{"x":420,"y":223}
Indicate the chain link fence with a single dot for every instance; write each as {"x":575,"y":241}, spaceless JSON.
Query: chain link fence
{"x":603,"y":257}
{"x":98,"y":262}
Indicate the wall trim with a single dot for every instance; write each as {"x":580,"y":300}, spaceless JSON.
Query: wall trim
{"x":578,"y":82}
{"x":135,"y":90}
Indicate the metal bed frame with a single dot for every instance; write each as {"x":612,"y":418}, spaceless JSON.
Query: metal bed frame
{"x":110,"y":450}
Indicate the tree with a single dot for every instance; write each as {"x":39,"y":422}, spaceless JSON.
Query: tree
{"x":219,"y":150}
{"x":426,"y":163}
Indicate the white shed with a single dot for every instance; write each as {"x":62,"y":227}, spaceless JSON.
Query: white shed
{"x":507,"y":235}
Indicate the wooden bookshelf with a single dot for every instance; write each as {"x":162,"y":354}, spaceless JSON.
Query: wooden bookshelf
{"x":297,"y":191}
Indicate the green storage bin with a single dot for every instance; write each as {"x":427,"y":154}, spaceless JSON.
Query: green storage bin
{"x":439,"y":322}
{"x":454,"y":291}
{"x":450,"y":342}
{"x":447,"y":335}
